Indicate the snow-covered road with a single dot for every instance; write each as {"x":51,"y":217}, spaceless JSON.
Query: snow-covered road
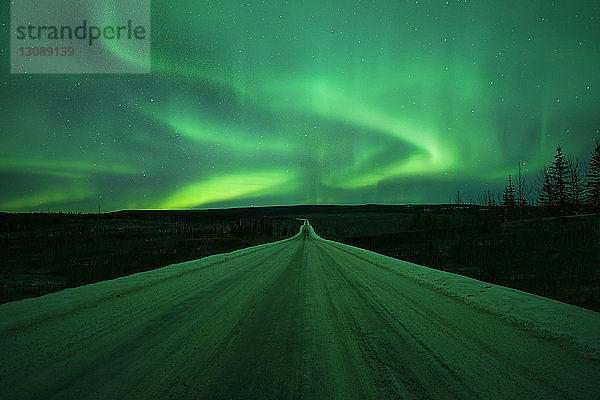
{"x":299,"y":318}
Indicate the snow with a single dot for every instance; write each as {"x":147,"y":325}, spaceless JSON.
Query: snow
{"x":545,"y":317}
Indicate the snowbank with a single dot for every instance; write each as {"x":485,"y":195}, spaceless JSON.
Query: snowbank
{"x":553,"y":320}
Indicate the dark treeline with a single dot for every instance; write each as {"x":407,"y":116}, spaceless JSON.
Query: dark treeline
{"x":542,"y":236}
{"x":566,"y":186}
{"x":42,"y":253}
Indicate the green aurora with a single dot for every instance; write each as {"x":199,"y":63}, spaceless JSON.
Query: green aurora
{"x":305,"y":102}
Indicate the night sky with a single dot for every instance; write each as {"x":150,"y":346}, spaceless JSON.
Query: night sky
{"x":302,"y":102}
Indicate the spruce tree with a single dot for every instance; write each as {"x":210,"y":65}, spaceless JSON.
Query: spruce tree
{"x":593,"y":183}
{"x":547,"y":196}
{"x":509,"y":196}
{"x":491,"y":202}
{"x":576,"y":188}
{"x":559,"y":177}
{"x":522,"y":189}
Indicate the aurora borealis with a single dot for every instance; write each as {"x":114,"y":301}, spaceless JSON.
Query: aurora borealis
{"x":282,"y":102}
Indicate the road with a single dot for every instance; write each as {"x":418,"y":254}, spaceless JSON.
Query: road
{"x":301,"y":318}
